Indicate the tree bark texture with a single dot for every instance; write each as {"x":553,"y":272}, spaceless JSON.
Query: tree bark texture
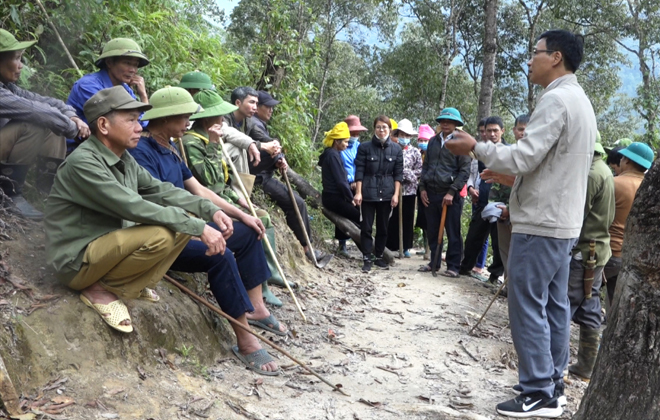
{"x":306,"y":190}
{"x":626,"y":380}
{"x":490,"y":50}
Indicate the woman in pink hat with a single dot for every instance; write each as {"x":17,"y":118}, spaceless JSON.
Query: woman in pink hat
{"x":348,"y":158}
{"x":425,"y":134}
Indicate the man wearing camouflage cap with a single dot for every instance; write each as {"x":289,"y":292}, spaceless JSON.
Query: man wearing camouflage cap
{"x":118,"y":63}
{"x":32,"y":128}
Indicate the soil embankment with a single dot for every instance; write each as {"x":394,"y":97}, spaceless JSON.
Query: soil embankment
{"x":395,"y":340}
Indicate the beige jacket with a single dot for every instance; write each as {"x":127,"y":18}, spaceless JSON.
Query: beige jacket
{"x":236,"y":145}
{"x":551,"y":162}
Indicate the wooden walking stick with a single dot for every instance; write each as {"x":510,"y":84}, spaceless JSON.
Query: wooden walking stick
{"x":400,"y":221}
{"x":269,"y":248}
{"x":438,"y":249}
{"x":325,"y":260}
{"x":489,"y":305}
{"x":244,"y":328}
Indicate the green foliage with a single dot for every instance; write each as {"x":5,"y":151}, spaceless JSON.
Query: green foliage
{"x":173,"y":34}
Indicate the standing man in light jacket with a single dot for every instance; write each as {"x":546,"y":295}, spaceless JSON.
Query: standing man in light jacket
{"x":552,"y":164}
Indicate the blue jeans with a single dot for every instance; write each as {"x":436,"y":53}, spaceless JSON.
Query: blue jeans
{"x":243,"y":267}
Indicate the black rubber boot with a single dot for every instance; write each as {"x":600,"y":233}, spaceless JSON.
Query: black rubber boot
{"x":46,"y":170}
{"x":587,"y":353}
{"x":12,"y":184}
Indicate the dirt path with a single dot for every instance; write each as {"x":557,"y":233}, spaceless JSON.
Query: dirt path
{"x":395,"y":340}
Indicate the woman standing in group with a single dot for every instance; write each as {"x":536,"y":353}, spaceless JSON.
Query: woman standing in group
{"x":425,"y":134}
{"x":412,"y":169}
{"x":378,"y":176}
{"x":337,"y":195}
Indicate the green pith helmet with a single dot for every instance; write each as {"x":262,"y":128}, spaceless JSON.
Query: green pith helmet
{"x":451,"y":114}
{"x":111,"y":99}
{"x":170,"y":101}
{"x":598,"y":147}
{"x":213,"y":104}
{"x":196,"y":80}
{"x":8,"y":42}
{"x":121,"y":47}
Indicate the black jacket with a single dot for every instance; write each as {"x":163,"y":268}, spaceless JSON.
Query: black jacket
{"x":378,"y":165}
{"x":442,"y":171}
{"x":333,"y":174}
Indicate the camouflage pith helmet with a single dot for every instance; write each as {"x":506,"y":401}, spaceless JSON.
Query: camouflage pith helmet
{"x":121,"y":47}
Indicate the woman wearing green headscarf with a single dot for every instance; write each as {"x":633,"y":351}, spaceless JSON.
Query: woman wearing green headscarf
{"x":337,"y":195}
{"x":206,"y":162}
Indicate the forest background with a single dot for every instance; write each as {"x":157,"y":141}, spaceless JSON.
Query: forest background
{"x":326,"y":59}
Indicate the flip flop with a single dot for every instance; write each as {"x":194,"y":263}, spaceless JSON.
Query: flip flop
{"x":479,"y":277}
{"x":116,"y":312}
{"x":255,"y":360}
{"x":451,"y":274}
{"x":265,"y":323}
{"x":149,"y":294}
{"x":424,"y":268}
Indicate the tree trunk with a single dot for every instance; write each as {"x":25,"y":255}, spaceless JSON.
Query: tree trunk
{"x":306,"y":190}
{"x":626,"y":380}
{"x":490,"y":49}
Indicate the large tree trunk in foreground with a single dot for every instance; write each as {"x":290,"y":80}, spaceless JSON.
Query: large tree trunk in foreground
{"x":306,"y":190}
{"x":626,"y":379}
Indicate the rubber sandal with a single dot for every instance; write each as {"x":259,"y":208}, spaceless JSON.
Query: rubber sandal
{"x":116,"y":312}
{"x":149,"y":294}
{"x":479,"y":277}
{"x":451,"y":274}
{"x":254,"y":361}
{"x":265,"y":323}
{"x":425,"y":269}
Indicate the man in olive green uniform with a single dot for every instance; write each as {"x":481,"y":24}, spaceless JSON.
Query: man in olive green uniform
{"x":205,"y":159}
{"x":598,"y":216}
{"x":112,"y":230}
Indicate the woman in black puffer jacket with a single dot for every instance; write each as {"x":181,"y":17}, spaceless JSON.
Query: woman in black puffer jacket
{"x":378,"y":176}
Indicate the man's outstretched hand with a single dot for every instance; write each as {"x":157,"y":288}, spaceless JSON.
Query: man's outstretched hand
{"x":461,"y":144}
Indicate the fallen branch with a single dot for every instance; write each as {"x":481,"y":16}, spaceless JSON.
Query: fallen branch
{"x":244,"y":328}
{"x":307,"y":191}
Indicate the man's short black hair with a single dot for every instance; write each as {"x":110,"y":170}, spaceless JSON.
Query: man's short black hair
{"x":494,"y":119}
{"x":482,"y":123}
{"x":614,"y":157}
{"x":570,"y":45}
{"x":521,"y":119}
{"x":240,"y":93}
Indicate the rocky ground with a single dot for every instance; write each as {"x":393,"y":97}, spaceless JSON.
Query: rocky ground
{"x":397,"y":341}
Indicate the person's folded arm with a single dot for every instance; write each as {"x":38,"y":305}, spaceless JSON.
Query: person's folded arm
{"x":33,"y":108}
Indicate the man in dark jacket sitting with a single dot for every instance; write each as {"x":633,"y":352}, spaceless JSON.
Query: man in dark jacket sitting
{"x":443,"y":176}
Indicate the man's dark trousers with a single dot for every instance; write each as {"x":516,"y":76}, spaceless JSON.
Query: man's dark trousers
{"x":280,"y":195}
{"x":474,"y":241}
{"x":433,"y":215}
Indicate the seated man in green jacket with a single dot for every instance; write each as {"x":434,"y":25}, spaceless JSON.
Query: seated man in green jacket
{"x":112,"y":230}
{"x":207,"y":163}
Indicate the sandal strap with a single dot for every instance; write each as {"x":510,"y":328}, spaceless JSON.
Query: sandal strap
{"x":258,"y":358}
